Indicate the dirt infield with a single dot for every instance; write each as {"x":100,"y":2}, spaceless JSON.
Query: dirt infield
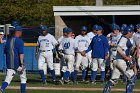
{"x":68,"y":88}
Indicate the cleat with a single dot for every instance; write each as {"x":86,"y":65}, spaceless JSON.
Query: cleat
{"x":67,"y":82}
{"x":93,"y":82}
{"x":45,"y":82}
{"x":61,"y":81}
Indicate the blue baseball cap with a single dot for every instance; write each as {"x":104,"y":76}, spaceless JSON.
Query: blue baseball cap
{"x":94,"y":27}
{"x":97,"y":27}
{"x":132,"y":26}
{"x":44,"y":28}
{"x":123,"y":27}
{"x":18,"y":28}
{"x":65,"y":29}
{"x":69,"y":30}
{"x":115,"y":27}
{"x":84,"y":28}
{"x":128,"y":29}
{"x":138,"y":26}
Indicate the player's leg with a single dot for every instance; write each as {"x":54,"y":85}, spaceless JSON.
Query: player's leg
{"x":41,"y":62}
{"x":94,"y":67}
{"x":130,"y":84}
{"x":9,"y":76}
{"x":89,"y":62}
{"x":70,"y":69}
{"x":115,"y":76}
{"x":23,"y":79}
{"x":49,"y":58}
{"x":62,"y":63}
{"x":121,"y":65}
{"x":102,"y":67}
{"x":84,"y":67}
{"x":77,"y":65}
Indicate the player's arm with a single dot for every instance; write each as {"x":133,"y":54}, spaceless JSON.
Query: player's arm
{"x":106,"y":47}
{"x":135,"y":69}
{"x":22,"y":59}
{"x":21,"y":54}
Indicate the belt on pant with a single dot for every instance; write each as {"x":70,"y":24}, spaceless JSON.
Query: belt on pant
{"x":44,"y":50}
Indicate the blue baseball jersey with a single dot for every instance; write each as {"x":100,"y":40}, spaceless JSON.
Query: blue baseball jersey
{"x":99,"y":46}
{"x":14,"y":47}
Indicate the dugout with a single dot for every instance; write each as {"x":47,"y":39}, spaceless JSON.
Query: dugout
{"x":77,"y":16}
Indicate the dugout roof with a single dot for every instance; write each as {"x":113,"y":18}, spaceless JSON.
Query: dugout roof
{"x":77,"y":16}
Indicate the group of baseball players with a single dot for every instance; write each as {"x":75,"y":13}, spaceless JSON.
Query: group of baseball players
{"x":89,"y":50}
{"x":92,"y":50}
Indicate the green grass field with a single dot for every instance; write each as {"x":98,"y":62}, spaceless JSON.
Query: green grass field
{"x":34,"y":80}
{"x":54,"y":91}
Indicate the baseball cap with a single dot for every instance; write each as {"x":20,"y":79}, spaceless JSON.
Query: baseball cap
{"x":128,"y":29}
{"x":69,"y":30}
{"x":98,"y":27}
{"x":132,"y":26}
{"x":115,"y":27}
{"x":84,"y":28}
{"x":18,"y":28}
{"x":123,"y":27}
{"x":138,"y":26}
{"x":44,"y":28}
{"x":65,"y":29}
{"x":94,"y":27}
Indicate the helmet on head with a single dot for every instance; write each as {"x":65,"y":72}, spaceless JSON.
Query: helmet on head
{"x":115,"y":27}
{"x":128,"y":29}
{"x":138,"y":26}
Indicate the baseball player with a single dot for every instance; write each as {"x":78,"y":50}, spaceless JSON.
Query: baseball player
{"x":99,"y":46}
{"x":45,"y":45}
{"x":15,"y":60}
{"x":124,"y":64}
{"x":62,"y":63}
{"x":67,"y":47}
{"x":137,"y":43}
{"x":81,"y":43}
{"x":113,"y":44}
